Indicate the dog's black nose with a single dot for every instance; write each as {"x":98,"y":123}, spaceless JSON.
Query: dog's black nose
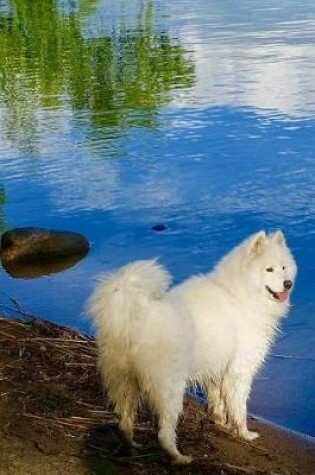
{"x":287,"y":284}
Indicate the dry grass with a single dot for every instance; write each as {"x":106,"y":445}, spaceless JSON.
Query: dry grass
{"x":51,"y":397}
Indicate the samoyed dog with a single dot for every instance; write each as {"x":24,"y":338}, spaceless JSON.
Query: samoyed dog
{"x":213,"y":329}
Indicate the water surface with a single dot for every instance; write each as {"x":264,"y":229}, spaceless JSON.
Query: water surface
{"x":116,"y":116}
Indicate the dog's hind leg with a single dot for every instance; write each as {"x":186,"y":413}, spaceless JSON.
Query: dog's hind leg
{"x":125,"y":395}
{"x":168,"y":403}
{"x":128,"y":414}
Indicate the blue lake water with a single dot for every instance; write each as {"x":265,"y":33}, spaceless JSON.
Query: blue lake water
{"x":116,"y":116}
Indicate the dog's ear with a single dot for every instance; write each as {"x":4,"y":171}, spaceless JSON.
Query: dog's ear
{"x":278,"y":237}
{"x":257,"y":244}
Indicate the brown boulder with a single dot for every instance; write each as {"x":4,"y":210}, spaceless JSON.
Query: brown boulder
{"x":34,"y":244}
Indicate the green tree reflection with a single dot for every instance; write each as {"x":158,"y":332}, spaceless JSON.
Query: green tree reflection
{"x":121,"y":77}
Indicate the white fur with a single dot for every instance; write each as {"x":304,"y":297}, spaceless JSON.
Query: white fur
{"x":213,"y":329}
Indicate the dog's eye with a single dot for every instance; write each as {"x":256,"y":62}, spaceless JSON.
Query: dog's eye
{"x":269,"y":269}
{"x":283,"y":267}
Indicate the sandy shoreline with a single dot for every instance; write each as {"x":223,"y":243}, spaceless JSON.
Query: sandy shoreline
{"x":53,"y":416}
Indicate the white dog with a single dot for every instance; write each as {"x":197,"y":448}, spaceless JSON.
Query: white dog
{"x":213,"y":329}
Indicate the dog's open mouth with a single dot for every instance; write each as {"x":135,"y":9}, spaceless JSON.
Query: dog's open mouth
{"x":281,"y":296}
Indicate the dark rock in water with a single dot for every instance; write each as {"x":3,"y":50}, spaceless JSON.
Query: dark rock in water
{"x":159,"y":227}
{"x":34,"y":244}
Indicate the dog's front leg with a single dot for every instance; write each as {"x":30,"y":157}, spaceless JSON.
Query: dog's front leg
{"x":235,"y":389}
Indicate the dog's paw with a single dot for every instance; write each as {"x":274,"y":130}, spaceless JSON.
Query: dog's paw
{"x":220,"y":419}
{"x":245,"y":434}
{"x":182,"y":460}
{"x":250,"y":435}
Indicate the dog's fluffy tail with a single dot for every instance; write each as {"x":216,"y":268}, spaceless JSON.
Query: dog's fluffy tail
{"x":119,"y":298}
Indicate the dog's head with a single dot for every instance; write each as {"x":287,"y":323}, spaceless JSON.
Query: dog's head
{"x":271,"y":266}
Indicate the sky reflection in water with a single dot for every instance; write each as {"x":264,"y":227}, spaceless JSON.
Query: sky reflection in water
{"x":114,"y":117}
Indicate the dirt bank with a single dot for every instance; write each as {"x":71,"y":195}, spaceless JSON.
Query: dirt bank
{"x":54,"y":418}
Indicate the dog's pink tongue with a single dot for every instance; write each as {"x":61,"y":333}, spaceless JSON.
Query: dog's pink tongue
{"x":282,"y":296}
